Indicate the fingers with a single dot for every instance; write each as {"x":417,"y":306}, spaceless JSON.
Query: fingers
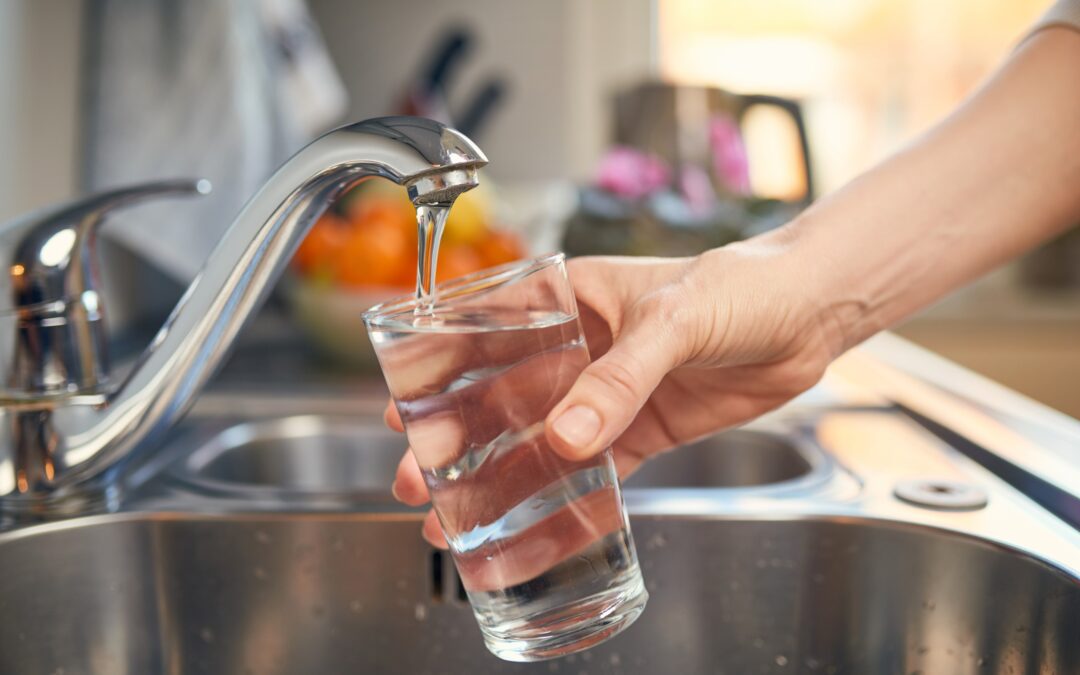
{"x":392,"y":418}
{"x":432,"y":531}
{"x":409,"y":487}
{"x":609,"y":393}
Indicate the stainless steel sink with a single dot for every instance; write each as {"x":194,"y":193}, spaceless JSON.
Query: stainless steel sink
{"x":734,"y":459}
{"x":362,"y":593}
{"x":266,"y":541}
{"x":298,"y":454}
{"x":335,"y":454}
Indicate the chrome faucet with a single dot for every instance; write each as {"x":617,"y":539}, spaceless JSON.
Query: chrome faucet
{"x":64,"y":430}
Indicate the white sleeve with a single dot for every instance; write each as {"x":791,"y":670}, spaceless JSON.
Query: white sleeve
{"x":1065,"y":13}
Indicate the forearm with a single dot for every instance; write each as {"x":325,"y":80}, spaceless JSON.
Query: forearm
{"x":993,"y":180}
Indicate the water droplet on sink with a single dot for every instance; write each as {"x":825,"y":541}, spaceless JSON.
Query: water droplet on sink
{"x":356,"y":606}
{"x":615,"y":660}
{"x":981,"y":661}
{"x":420,"y":611}
{"x":812,"y":663}
{"x":781,"y":660}
{"x":758,"y":642}
{"x":586,"y":657}
{"x":263,"y":537}
{"x":207,"y":635}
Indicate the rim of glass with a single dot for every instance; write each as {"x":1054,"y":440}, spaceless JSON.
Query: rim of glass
{"x":469,"y":285}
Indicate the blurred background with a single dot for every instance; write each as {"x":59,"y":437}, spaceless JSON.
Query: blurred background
{"x":640,"y":127}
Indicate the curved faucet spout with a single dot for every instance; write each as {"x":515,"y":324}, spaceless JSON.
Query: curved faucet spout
{"x":434,"y":162}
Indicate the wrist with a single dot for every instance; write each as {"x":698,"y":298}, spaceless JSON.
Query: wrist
{"x":832,"y":284}
{"x":768,"y":297}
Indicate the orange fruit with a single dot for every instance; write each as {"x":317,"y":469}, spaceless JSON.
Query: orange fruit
{"x":456,"y":260}
{"x":321,"y":244}
{"x":372,"y":256}
{"x":499,"y":247}
{"x":392,"y":209}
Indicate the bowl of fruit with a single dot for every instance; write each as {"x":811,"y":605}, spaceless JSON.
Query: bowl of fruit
{"x":362,"y":251}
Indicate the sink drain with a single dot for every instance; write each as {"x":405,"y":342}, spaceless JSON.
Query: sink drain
{"x":941,"y":494}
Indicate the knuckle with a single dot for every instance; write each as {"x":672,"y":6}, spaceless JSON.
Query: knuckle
{"x":618,"y":377}
{"x":671,"y":322}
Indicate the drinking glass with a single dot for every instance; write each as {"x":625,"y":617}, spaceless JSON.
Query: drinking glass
{"x":542,"y":544}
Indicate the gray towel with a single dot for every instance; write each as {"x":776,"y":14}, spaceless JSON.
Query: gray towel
{"x":220,"y":89}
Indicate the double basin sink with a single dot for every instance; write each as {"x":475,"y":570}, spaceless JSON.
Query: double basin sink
{"x":258,"y":546}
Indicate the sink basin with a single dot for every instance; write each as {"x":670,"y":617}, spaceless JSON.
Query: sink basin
{"x":337,"y":454}
{"x":740,"y":458}
{"x":356,"y":593}
{"x":306,"y":453}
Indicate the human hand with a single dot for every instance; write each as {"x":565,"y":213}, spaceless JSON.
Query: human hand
{"x":682,"y":348}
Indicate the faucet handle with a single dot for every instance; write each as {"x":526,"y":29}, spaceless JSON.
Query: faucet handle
{"x":52,"y":329}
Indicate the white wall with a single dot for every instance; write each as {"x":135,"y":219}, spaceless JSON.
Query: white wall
{"x":39,"y":112}
{"x":563,"y":57}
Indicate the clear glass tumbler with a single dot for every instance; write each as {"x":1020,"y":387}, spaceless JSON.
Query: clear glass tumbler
{"x":542,"y":544}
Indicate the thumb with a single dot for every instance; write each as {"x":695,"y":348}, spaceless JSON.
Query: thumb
{"x":608,"y":394}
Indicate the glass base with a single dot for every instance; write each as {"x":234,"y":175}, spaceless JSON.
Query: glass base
{"x":570,"y":628}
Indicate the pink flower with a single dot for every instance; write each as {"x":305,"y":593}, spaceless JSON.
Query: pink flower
{"x":631,"y":173}
{"x":730,"y":163}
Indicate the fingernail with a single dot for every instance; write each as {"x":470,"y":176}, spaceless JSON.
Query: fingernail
{"x":393,"y":491}
{"x":577,"y":426}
